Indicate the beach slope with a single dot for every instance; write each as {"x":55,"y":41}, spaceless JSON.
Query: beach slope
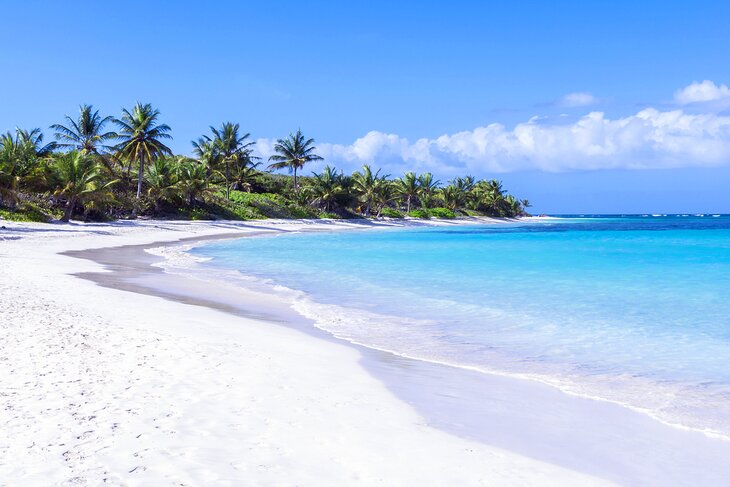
{"x":100,"y":385}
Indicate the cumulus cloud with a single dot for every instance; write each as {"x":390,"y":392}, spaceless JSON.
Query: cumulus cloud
{"x":649,"y":139}
{"x":578,"y":99}
{"x":701,"y":92}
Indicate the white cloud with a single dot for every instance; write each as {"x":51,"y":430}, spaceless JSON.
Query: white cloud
{"x":649,"y":139}
{"x":697,"y":92}
{"x":579,"y":99}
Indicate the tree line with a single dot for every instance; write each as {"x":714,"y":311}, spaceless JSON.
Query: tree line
{"x":101,"y":167}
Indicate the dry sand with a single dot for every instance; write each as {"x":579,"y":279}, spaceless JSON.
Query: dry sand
{"x":104,"y":386}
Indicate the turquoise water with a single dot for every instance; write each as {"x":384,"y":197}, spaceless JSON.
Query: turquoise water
{"x":633,"y":310}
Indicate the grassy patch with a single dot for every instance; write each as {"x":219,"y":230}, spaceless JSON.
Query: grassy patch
{"x":26,"y":212}
{"x":269,"y":205}
{"x":391,"y":213}
{"x":419,"y":213}
{"x":441,"y":213}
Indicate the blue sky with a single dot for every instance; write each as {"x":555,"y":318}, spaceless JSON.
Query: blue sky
{"x":495,"y":89}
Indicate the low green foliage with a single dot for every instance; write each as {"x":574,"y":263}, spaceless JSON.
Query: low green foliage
{"x":94,"y":173}
{"x":26,"y":212}
{"x":269,"y":205}
{"x":391,"y":213}
{"x":419,"y":213}
{"x":441,"y":213}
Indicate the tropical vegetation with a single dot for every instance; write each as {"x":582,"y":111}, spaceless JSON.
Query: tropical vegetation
{"x":105,"y":167}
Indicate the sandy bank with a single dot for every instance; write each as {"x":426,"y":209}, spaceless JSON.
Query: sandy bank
{"x":103,"y":385}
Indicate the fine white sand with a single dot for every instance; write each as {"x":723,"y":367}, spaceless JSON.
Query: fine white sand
{"x":103,"y":386}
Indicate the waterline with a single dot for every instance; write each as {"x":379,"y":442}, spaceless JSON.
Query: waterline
{"x":611,"y":309}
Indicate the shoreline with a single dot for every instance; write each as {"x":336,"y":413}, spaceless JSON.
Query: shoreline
{"x":606,"y":445}
{"x":404,"y":377}
{"x":111,"y":386}
{"x":309,"y":325}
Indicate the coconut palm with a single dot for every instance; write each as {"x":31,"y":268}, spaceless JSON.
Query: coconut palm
{"x":8,"y":170}
{"x":489,"y":196}
{"x":242,"y":176}
{"x":85,"y":133}
{"x":454,"y":196}
{"x":384,"y":194}
{"x":513,"y":206}
{"x":192,"y":180}
{"x":161,"y":180}
{"x":427,"y":189}
{"x":232,"y":148}
{"x":328,"y":187}
{"x":293,"y":153}
{"x":33,"y":139}
{"x":76,"y":177}
{"x":19,"y":160}
{"x":463,"y":191}
{"x":205,"y":152}
{"x":141,"y":137}
{"x":368,"y":187}
{"x":408,"y":187}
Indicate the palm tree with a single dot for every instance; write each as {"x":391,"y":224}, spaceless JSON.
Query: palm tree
{"x":408,"y":187}
{"x":328,"y":187}
{"x":462,"y":194}
{"x":293,"y":153}
{"x":368,"y":186}
{"x":206,"y":153}
{"x":33,"y":139}
{"x":513,"y":206}
{"x":427,"y":188}
{"x":465,"y":184}
{"x":161,"y":180}
{"x":243,"y":176}
{"x":233,"y":149}
{"x":86,"y":133}
{"x":454,"y":196}
{"x":525,"y":203}
{"x":76,"y":176}
{"x":192,"y":180}
{"x":19,"y":157}
{"x":384,"y":194}
{"x":490,"y":196}
{"x":9,"y":170}
{"x":141,"y":138}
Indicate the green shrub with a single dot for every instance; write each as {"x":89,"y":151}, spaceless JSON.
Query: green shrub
{"x":391,"y":213}
{"x":326,"y":214}
{"x":272,"y":183}
{"x":442,"y":213}
{"x":269,"y":205}
{"x":26,"y":212}
{"x":419,"y":213}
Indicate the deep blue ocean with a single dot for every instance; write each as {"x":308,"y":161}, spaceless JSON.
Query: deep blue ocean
{"x":630,"y":309}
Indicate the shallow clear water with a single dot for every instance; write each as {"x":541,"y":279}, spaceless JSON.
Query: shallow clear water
{"x":633,"y":310}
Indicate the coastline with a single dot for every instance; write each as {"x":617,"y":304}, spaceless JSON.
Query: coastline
{"x":105,"y":385}
{"x":530,"y":421}
{"x":613,"y":434}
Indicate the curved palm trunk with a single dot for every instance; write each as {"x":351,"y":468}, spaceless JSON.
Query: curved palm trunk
{"x":408,"y":204}
{"x":296,"y":187}
{"x":68,"y":211}
{"x":139,"y":176}
{"x":228,"y":180}
{"x":139,"y":185}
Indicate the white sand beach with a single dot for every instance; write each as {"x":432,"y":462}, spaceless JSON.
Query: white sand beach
{"x":102,"y":386}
